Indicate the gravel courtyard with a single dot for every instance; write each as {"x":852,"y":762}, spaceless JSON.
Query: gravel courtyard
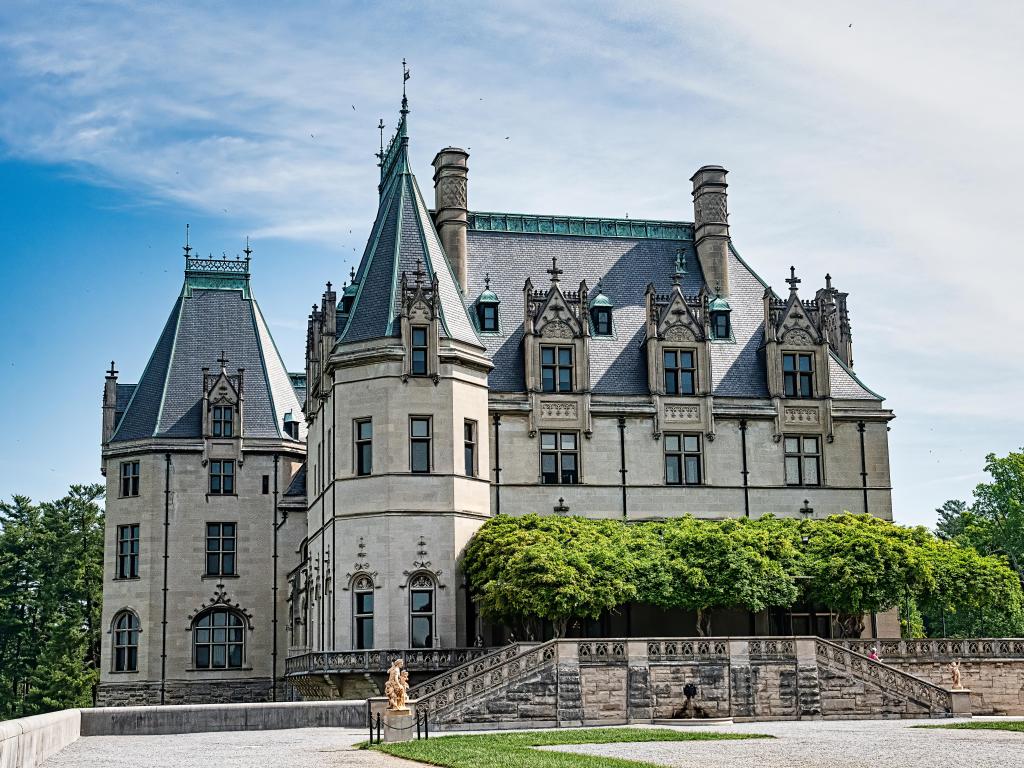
{"x":832,"y":743}
{"x":836,"y":744}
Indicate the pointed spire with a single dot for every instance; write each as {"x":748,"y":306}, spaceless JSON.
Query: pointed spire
{"x":380,"y":155}
{"x":187,"y":248}
{"x":793,"y":280}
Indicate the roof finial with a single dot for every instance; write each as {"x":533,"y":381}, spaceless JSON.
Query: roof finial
{"x":380,"y":155}
{"x":223,"y":361}
{"x":487,"y":281}
{"x":352,"y":275}
{"x":554,"y":271}
{"x":405,"y":76}
{"x":828,"y":282}
{"x":247,"y":251}
{"x":328,"y":286}
{"x":793,"y":280}
{"x":187,"y":248}
{"x":419,"y":272}
{"x":113,"y":371}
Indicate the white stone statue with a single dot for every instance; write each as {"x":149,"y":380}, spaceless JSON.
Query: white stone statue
{"x":954,"y":669}
{"x":397,"y":686}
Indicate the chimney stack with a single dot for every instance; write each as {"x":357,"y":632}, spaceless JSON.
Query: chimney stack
{"x":711,"y":225}
{"x":451,"y":172}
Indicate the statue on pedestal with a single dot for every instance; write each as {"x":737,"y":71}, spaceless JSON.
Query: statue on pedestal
{"x":954,"y":669}
{"x":397,"y":686}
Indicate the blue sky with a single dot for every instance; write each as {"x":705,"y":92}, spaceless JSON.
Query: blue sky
{"x":876,"y":142}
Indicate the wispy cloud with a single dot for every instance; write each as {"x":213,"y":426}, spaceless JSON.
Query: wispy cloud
{"x":872,"y":140}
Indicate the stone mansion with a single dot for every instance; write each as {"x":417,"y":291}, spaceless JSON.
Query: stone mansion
{"x":475,"y":364}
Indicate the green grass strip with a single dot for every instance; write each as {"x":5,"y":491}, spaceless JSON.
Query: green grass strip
{"x":515,"y":750}
{"x":978,"y":725}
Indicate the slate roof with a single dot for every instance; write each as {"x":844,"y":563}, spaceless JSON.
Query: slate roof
{"x":297,"y":487}
{"x":215,"y":313}
{"x":625,"y":257}
{"x":403,"y":237}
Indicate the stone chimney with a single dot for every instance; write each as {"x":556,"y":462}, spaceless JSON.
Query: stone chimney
{"x":109,"y":403}
{"x":711,"y":225}
{"x":451,"y":172}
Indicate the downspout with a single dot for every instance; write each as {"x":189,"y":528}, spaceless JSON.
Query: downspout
{"x":323,"y":532}
{"x":334,"y":515}
{"x":497,"y":464}
{"x":273,"y":621}
{"x":746,"y":474}
{"x":622,"y":464}
{"x":863,"y":466}
{"x":167,"y":532}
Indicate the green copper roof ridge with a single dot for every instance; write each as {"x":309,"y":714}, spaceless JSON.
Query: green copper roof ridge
{"x":370,"y":252}
{"x":421,"y":214}
{"x":600,"y":226}
{"x":854,"y":376}
{"x":149,"y":362}
{"x":167,"y":373}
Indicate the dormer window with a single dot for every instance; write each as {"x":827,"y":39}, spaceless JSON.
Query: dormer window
{"x":291,"y":426}
{"x":487,"y":308}
{"x":601,"y":313}
{"x":680,"y":366}
{"x":798,"y":374}
{"x":419,"y":350}
{"x":718,"y":314}
{"x":222,"y":421}
{"x":556,"y":369}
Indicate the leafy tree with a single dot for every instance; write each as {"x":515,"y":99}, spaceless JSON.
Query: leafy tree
{"x":51,"y":561}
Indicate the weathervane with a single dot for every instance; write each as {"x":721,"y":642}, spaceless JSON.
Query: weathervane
{"x":405,"y":77}
{"x":380,"y":155}
{"x":187,"y":248}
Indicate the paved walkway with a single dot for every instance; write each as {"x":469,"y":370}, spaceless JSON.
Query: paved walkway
{"x":298,"y":748}
{"x":836,"y":744}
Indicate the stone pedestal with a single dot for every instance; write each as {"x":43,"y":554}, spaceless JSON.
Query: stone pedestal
{"x":961,"y":702}
{"x":399,"y":725}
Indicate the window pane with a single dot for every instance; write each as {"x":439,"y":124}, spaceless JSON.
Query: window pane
{"x":420,"y":456}
{"x":671,"y":442}
{"x":547,"y":468}
{"x":788,"y":363}
{"x":219,"y":660}
{"x":670,"y":359}
{"x":547,"y":355}
{"x":687,"y":384}
{"x":570,"y":473}
{"x":364,"y":632}
{"x":548,"y":380}
{"x":792,"y":470}
{"x":214,"y":483}
{"x":672,"y":470}
{"x":229,"y":529}
{"x":547,"y":440}
{"x":810,"y":445}
{"x":203,"y":656}
{"x":220,"y":635}
{"x":687,"y":360}
{"x":229,"y":484}
{"x":420,"y":428}
{"x":419,"y":361}
{"x":419,"y":337}
{"x":671,"y":382}
{"x":364,"y":602}
{"x":468,"y":430}
{"x":422,"y":601}
{"x":792,"y":445}
{"x":805,"y":362}
{"x":470,"y":460}
{"x":805,"y":386}
{"x":212,"y":563}
{"x":228,"y":564}
{"x":568,"y":441}
{"x":692,"y":470}
{"x":789,"y":385}
{"x":811,"y":471}
{"x":422,"y":636}
{"x":202,"y":635}
{"x":691,"y":443}
{"x":365,"y":430}
{"x":564,"y":379}
{"x":565,"y":356}
{"x":229,"y":467}
{"x":235,"y":659}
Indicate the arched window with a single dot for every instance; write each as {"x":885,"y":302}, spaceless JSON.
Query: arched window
{"x":218,"y":640}
{"x":362,"y":596}
{"x":126,"y":642}
{"x":421,"y":611}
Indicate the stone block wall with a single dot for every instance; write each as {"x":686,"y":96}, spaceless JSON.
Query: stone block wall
{"x":842,"y":696}
{"x":996,"y":685}
{"x":667,"y":681}
{"x":245,"y":691}
{"x":604,"y":693}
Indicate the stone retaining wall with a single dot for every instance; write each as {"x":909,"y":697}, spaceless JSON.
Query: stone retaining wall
{"x":28,"y":741}
{"x":190,"y":692}
{"x":996,"y":685}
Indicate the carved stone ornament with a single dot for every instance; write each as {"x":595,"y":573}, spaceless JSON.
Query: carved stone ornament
{"x":557,"y":330}
{"x":679,"y":333}
{"x":558,"y":410}
{"x":451,"y":192}
{"x":220,"y":597}
{"x":797,"y":338}
{"x":682,"y":413}
{"x":801,"y":415}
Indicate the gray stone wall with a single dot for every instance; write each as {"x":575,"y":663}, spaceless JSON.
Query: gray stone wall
{"x":996,"y":685}
{"x":246,"y":691}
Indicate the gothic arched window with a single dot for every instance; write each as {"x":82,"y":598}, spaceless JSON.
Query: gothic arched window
{"x":126,"y":642}
{"x":218,"y":639}
{"x":421,"y":611}
{"x":362,"y":597}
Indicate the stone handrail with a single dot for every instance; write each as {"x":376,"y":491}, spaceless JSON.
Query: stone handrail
{"x":940,"y":647}
{"x":457,"y":692}
{"x":936,"y":698}
{"x":462,"y":672}
{"x":379,"y":659}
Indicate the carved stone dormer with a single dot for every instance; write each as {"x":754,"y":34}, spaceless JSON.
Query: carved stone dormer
{"x":835,"y":321}
{"x":223,"y":402}
{"x":556,"y":353}
{"x":678,"y":359}
{"x":797,"y":354}
{"x":420,"y":313}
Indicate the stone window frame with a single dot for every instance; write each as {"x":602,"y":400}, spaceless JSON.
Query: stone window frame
{"x":679,"y":369}
{"x":129,"y":481}
{"x":129,"y":558}
{"x":418,"y":583}
{"x":220,"y":474}
{"x":362,"y":585}
{"x":800,"y":456}
{"x":361,"y":442}
{"x":797,"y":375}
{"x":682,"y":455}
{"x":222,"y":420}
{"x":238,"y":631}
{"x":471,"y":442}
{"x":558,"y":452}
{"x":556,"y":367}
{"x":417,"y":439}
{"x":220,"y":553}
{"x":424,"y":349}
{"x":128,"y":633}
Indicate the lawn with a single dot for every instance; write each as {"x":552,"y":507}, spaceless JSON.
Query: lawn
{"x":515,"y":750}
{"x":992,"y":725}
